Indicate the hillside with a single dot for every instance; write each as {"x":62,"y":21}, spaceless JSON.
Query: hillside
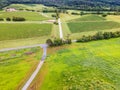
{"x":76,"y":4}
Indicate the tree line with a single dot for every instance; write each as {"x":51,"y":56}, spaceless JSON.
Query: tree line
{"x":13,"y":19}
{"x":99,"y":36}
{"x":92,"y":5}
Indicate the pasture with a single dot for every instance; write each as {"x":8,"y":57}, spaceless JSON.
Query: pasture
{"x":77,"y":27}
{"x":37,"y":7}
{"x":17,"y":66}
{"x":81,"y":66}
{"x":89,"y":18}
{"x":29,"y":16}
{"x":12,"y":31}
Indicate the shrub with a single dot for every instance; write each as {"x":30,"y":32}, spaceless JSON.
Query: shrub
{"x":104,"y":15}
{"x":107,"y":35}
{"x":56,"y":23}
{"x":18,"y":19}
{"x":1,"y":19}
{"x":75,"y":13}
{"x":68,"y":41}
{"x":58,"y":42}
{"x":8,"y":19}
{"x":99,"y":36}
{"x":49,"y":42}
{"x":53,"y":15}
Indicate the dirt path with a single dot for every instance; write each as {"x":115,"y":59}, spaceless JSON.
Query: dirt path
{"x":23,"y":47}
{"x":44,"y":46}
{"x":37,"y":69}
{"x":60,"y":28}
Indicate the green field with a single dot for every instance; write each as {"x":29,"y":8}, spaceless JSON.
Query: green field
{"x":82,"y":66}
{"x":39,"y":7}
{"x":89,"y":18}
{"x":77,"y":27}
{"x":10,"y":31}
{"x":29,"y":16}
{"x":17,"y":66}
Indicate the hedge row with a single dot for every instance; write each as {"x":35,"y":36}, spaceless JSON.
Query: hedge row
{"x":58,"y":42}
{"x":99,"y":36}
{"x":1,"y":19}
{"x":13,"y":19}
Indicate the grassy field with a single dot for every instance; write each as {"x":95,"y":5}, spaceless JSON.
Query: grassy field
{"x":29,"y":16}
{"x":19,"y":30}
{"x":17,"y":66}
{"x":39,"y":7}
{"x":82,"y":66}
{"x":76,"y":27}
{"x":89,"y":18}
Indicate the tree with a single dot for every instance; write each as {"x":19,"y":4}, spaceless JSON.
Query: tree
{"x":104,"y":15}
{"x":99,"y":36}
{"x":49,"y":42}
{"x":1,"y":19}
{"x":107,"y":35}
{"x":81,"y":13}
{"x":8,"y":19}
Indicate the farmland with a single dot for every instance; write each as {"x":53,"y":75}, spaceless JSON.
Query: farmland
{"x":93,"y":65}
{"x":86,"y":66}
{"x":36,"y":7}
{"x":78,"y":26}
{"x":29,"y":16}
{"x":89,"y":18}
{"x":17,"y":66}
{"x":18,"y":31}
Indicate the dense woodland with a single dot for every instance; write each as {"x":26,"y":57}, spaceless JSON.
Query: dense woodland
{"x":109,"y":5}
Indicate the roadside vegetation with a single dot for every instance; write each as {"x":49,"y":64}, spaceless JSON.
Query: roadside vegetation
{"x":99,"y":36}
{"x":17,"y":66}
{"x":69,"y":66}
{"x":93,"y":65}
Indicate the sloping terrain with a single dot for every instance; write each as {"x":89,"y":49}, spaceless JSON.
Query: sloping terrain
{"x":82,"y":66}
{"x":80,"y":4}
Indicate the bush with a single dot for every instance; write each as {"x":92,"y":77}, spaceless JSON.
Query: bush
{"x":104,"y":15}
{"x":68,"y":41}
{"x":49,"y":42}
{"x":18,"y":19}
{"x":56,"y":23}
{"x":58,"y":42}
{"x":1,"y":19}
{"x":75,"y":13}
{"x":107,"y":35}
{"x":53,"y":15}
{"x":99,"y":36}
{"x":8,"y":19}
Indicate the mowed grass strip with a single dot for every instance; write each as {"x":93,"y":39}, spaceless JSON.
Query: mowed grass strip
{"x":84,"y":66}
{"x":76,"y":27}
{"x":17,"y":66}
{"x":20,"y":30}
{"x":89,"y":18}
{"x":29,"y":16}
